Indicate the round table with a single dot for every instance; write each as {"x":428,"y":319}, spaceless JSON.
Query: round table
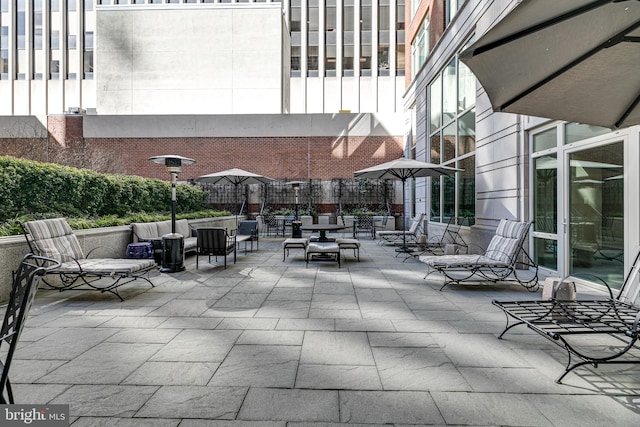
{"x":322,"y":229}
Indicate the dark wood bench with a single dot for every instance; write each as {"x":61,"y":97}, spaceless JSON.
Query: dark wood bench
{"x":559,"y":321}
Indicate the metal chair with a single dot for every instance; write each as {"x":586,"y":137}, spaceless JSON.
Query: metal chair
{"x":25,"y":285}
{"x":248,"y":232}
{"x":363,"y":223}
{"x":273,"y":224}
{"x":217,"y":242}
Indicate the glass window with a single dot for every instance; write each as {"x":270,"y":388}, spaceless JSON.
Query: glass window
{"x":452,"y":142}
{"x":545,"y":184}
{"x":436,"y":215}
{"x":400,"y":61}
{"x":467,"y":133}
{"x":448,"y":197}
{"x":596,"y":217}
{"x":313,"y":16}
{"x":420,"y":47}
{"x":55,"y":39}
{"x":452,"y":7}
{"x":576,"y":132}
{"x":435,"y":149}
{"x":71,"y":5}
{"x":21,"y":24}
{"x":435,"y":95}
{"x":383,"y":60}
{"x":4,"y":37}
{"x":295,"y":58}
{"x":312,"y":61}
{"x":347,"y":15}
{"x":330,"y":16}
{"x":545,"y":140}
{"x":330,"y":61}
{"x":4,"y":5}
{"x":295,"y":16}
{"x":449,"y":142}
{"x":466,"y":87}
{"x":54,"y":5}
{"x":88,"y":64}
{"x":54,"y":69}
{"x":449,"y":92}
{"x":467,"y":187}
{"x":4,"y":64}
{"x":365,"y":60}
{"x":384,"y":17}
{"x":347,"y":60}
{"x":400,"y":49}
{"x":400,"y":15}
{"x":87,"y":59}
{"x":366,"y":23}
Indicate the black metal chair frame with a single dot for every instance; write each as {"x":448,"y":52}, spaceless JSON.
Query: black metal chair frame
{"x":272,"y":223}
{"x":215,"y":241}
{"x":76,"y":276}
{"x":559,"y":320}
{"x":248,"y":232}
{"x":25,"y":285}
{"x":365,"y":224}
{"x":486,"y":267}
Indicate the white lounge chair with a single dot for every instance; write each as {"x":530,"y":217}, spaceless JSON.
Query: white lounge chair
{"x":497,"y":264}
{"x":54,"y":238}
{"x":392,"y":236}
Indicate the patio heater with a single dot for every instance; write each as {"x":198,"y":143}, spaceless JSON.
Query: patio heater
{"x":296,"y":231}
{"x":173,"y":243}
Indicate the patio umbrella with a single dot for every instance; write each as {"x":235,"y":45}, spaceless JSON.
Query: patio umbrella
{"x":572,"y":60}
{"x":404,"y":169}
{"x":236,"y":177}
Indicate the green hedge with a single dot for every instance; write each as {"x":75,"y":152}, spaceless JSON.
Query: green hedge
{"x":28,"y":188}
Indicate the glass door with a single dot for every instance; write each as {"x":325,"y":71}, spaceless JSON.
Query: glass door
{"x":577,"y":201}
{"x":594,"y":212}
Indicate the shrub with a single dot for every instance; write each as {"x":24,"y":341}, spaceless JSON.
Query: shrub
{"x":36,"y":190}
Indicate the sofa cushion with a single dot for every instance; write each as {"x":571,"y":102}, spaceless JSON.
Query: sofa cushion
{"x":164,"y":227}
{"x":146,"y":230}
{"x":182,"y":227}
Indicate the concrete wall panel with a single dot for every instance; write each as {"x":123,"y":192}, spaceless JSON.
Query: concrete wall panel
{"x":186,"y":56}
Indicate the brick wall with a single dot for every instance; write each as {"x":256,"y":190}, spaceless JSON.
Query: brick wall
{"x":292,"y":158}
{"x":65,"y":128}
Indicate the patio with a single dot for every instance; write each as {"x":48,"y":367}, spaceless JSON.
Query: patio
{"x":272,"y":343}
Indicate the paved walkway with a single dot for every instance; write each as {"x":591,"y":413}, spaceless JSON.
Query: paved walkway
{"x":272,"y":343}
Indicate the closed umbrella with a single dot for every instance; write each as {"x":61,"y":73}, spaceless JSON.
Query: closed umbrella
{"x":572,"y":60}
{"x":236,"y":177}
{"x":404,"y":169}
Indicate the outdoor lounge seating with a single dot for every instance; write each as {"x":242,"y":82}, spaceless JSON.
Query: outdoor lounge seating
{"x":248,"y":232}
{"x":363,"y":224}
{"x":562,"y":322}
{"x":350,"y":244}
{"x":437,"y":245}
{"x":153,"y":232}
{"x":323,"y":251}
{"x":392,"y":236}
{"x":215,"y":241}
{"x":293,"y":243}
{"x":54,"y":238}
{"x":23,"y":291}
{"x":498,"y":263}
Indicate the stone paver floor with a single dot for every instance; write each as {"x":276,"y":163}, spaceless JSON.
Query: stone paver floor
{"x":273,"y":343}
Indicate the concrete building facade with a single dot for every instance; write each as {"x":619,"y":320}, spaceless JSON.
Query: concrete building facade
{"x":575,"y":181}
{"x":128,"y":56}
